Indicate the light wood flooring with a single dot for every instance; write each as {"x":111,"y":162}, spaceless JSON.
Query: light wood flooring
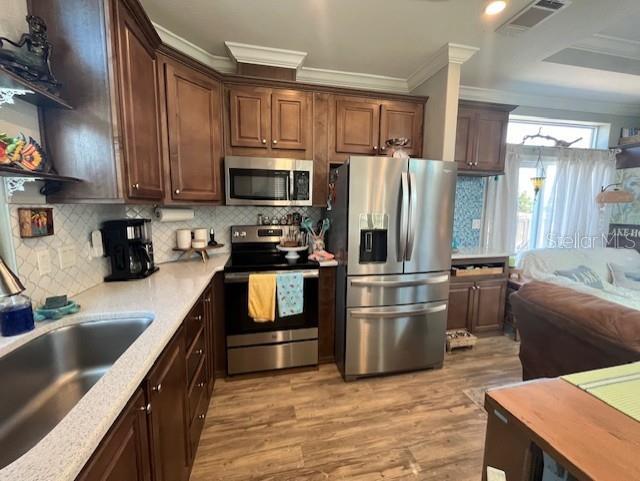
{"x":313,"y":426}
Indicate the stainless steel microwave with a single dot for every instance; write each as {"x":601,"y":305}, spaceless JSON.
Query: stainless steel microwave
{"x":267,"y":181}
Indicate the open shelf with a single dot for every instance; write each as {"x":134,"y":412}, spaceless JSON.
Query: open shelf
{"x":629,"y":155}
{"x":36,"y":96}
{"x":17,"y":172}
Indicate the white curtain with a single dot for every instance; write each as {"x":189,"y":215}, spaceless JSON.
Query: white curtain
{"x":501,"y":206}
{"x":571,"y":216}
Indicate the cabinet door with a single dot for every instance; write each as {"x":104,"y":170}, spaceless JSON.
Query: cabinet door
{"x":138,"y":92}
{"x":490,"y":304}
{"x":194,"y":120}
{"x":357,"y":127}
{"x":249,"y":113}
{"x":491,"y":141}
{"x":167,"y":392}
{"x":461,"y":300}
{"x":123,"y":454}
{"x":290,"y":119}
{"x":465,"y":139}
{"x":402,"y":119}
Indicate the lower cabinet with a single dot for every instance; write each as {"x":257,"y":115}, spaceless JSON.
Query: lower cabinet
{"x":156,"y":436}
{"x":477,"y":305}
{"x":123,"y":454}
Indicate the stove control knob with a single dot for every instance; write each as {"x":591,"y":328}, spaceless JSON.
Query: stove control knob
{"x":236,"y":234}
{"x":243,"y":234}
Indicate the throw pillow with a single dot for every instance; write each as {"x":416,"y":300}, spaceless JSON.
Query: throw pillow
{"x":626,"y":277}
{"x":584,"y":275}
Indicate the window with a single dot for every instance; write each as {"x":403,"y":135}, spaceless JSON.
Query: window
{"x":520,"y":127}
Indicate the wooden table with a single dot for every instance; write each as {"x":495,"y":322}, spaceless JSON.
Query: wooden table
{"x":592,"y":440}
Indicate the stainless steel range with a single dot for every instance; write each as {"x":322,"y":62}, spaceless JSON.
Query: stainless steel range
{"x":391,"y":231}
{"x":260,"y":346}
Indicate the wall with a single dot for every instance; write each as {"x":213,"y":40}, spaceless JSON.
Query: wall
{"x":626,"y":217}
{"x":469,"y":206}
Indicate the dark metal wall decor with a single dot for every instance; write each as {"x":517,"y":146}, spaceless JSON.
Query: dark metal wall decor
{"x":29,"y":56}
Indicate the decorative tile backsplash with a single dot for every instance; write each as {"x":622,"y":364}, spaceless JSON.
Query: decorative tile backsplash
{"x":72,"y":227}
{"x":219,"y":218}
{"x":469,"y":206}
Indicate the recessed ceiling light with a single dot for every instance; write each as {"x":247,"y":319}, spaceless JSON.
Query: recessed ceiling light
{"x":494,"y":8}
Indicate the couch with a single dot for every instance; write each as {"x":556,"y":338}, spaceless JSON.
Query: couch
{"x":567,"y":327}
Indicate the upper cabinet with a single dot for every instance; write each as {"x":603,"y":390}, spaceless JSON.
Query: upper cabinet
{"x":269,"y":122}
{"x":481,"y":137}
{"x":193,"y":133}
{"x":362,"y":125}
{"x":106,"y":61}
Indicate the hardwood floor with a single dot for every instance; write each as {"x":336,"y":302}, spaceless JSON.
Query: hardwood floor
{"x":426,"y":426}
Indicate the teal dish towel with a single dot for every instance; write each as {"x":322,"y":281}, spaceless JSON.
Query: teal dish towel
{"x":290,"y":293}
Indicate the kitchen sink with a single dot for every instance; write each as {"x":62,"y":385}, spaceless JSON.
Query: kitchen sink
{"x":45,"y":378}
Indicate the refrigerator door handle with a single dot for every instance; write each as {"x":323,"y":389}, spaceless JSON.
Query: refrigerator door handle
{"x":413,"y":209}
{"x":398,"y":314}
{"x":418,"y":282}
{"x":404,"y":216}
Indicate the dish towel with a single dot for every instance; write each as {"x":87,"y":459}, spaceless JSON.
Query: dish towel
{"x":290,"y":293}
{"x":262,"y":297}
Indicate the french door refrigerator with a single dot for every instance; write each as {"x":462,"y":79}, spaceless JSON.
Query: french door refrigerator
{"x":391,"y":230}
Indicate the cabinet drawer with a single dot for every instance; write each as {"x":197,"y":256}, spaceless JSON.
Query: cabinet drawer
{"x":194,"y":322}
{"x":195,"y":355}
{"x":197,"y":389}
{"x":197,"y":424}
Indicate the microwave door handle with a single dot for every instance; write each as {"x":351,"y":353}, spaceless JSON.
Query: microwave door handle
{"x":413,"y":210}
{"x":404,"y":216}
{"x":291,"y":178}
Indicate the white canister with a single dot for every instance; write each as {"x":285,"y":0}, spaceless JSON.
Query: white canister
{"x":201,"y":234}
{"x":198,"y":244}
{"x":183,"y":238}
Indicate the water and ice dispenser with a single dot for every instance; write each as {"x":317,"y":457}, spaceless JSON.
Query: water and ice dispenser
{"x":374,"y":229}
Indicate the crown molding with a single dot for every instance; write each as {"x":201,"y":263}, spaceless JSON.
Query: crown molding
{"x":550,"y":102}
{"x":272,"y":57}
{"x":449,"y":53}
{"x":610,"y":45}
{"x":216,"y":62}
{"x":364,"y":81}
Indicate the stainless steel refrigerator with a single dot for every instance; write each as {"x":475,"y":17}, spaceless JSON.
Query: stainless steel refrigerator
{"x":392,"y":221}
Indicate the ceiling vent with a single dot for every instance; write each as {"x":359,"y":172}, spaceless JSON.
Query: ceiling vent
{"x":533,"y":14}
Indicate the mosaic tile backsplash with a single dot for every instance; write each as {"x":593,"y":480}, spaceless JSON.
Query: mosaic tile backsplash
{"x":73,"y":225}
{"x":469,"y":206}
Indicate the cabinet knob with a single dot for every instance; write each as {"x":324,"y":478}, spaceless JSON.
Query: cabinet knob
{"x":201,"y":416}
{"x":375,"y":147}
{"x":146,"y":409}
{"x":200,"y":352}
{"x":198,"y":317}
{"x":264,"y":141}
{"x":157,"y":388}
{"x":200,"y":384}
{"x":475,"y":163}
{"x":275,"y":141}
{"x":207,"y":299}
{"x":136,"y":186}
{"x":177,"y":191}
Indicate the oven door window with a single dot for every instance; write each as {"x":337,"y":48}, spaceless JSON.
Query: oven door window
{"x":237,"y":311}
{"x":258,"y":184}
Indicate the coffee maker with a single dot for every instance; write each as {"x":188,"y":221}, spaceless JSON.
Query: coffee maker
{"x":127,"y":243}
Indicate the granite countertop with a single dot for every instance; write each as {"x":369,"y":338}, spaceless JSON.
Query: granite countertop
{"x":167,"y":296}
{"x":477,"y":253}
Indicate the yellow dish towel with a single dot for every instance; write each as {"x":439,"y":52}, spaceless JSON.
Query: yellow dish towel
{"x":262,"y":297}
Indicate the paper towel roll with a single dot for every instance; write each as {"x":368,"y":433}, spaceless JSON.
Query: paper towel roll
{"x":173,"y":215}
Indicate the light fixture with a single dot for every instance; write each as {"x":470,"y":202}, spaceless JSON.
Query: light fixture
{"x":538,"y":180}
{"x":495,"y":7}
{"x":614,"y":196}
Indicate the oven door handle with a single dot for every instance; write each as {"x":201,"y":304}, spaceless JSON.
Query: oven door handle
{"x":240,"y":277}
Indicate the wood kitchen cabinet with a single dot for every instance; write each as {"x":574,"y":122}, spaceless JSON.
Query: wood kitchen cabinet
{"x":106,"y":61}
{"x":326,"y":314}
{"x":481,"y":137}
{"x":461,"y":305}
{"x":166,"y":387}
{"x":361,"y":125}
{"x":269,"y":122}
{"x":123,"y":454}
{"x":193,"y":132}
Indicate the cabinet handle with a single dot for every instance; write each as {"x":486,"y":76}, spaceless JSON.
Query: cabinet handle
{"x":177,"y":191}
{"x":202,"y":416}
{"x":275,"y":141}
{"x":135,"y":186}
{"x":199,"y":352}
{"x":198,"y":317}
{"x":207,"y":299}
{"x":264,"y":141}
{"x":157,"y":388}
{"x":146,"y":409}
{"x":200,"y":384}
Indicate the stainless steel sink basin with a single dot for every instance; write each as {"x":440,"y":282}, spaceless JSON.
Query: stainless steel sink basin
{"x":43,"y":379}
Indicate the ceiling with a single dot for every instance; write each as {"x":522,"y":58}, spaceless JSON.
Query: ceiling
{"x":396,"y":37}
